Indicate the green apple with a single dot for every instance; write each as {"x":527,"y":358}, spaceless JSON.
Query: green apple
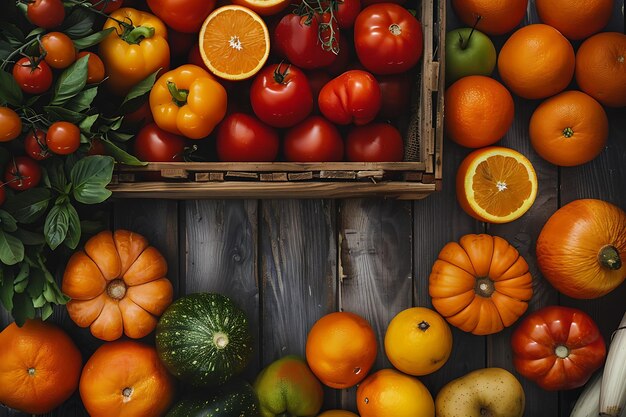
{"x":493,"y":392}
{"x":468,"y":52}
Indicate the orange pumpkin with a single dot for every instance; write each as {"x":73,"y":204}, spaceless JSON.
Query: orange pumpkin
{"x":117,"y":285}
{"x":126,"y":378}
{"x":480,"y":284}
{"x":581,"y":249}
{"x":39,"y":367}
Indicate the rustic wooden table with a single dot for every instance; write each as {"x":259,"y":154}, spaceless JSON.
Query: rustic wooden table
{"x":289,"y":262}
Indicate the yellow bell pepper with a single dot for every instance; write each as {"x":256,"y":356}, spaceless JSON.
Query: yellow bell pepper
{"x":188,"y":101}
{"x":135,"y":49}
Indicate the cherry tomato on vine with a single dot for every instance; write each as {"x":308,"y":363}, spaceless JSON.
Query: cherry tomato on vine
{"x":46,"y":14}
{"x":314,"y":140}
{"x":352,"y":97}
{"x":63,"y":138}
{"x":32,"y":77}
{"x":59,"y":49}
{"x":298,"y":37}
{"x":388,"y":38}
{"x":244,"y":138}
{"x":95,"y":67}
{"x":35,"y":145}
{"x":154,"y":144}
{"x":281,"y":95}
{"x":107,"y":6}
{"x":10,"y":124}
{"x":375,"y":142}
{"x":22,"y":173}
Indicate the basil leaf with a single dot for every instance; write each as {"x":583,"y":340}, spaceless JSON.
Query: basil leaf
{"x":90,"y":176}
{"x":48,"y":292}
{"x":13,"y":34}
{"x":29,"y":238}
{"x":120,"y":137}
{"x":35,"y":32}
{"x":88,"y":122}
{"x":73,"y":231}
{"x":71,"y":82}
{"x":39,"y":301}
{"x":140,"y":89}
{"x":5,"y":50}
{"x":56,"y":175}
{"x":56,"y":113}
{"x":121,"y":155}
{"x":7,"y":222}
{"x":46,"y":312}
{"x":82,"y":101}
{"x":23,"y":273}
{"x":28,"y":205}
{"x":36,"y":283}
{"x":93,"y":39}
{"x":56,"y":225}
{"x":22,"y":309}
{"x":11,"y":249}
{"x":9,"y":90}
{"x":6,"y":288}
{"x":78,"y":24}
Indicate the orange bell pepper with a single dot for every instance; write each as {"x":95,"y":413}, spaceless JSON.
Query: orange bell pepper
{"x":135,"y":49}
{"x":188,"y":101}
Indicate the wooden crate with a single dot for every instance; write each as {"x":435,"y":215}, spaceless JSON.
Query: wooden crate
{"x":418,"y":176}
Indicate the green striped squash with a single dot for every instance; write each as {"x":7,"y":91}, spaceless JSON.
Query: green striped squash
{"x":235,"y":399}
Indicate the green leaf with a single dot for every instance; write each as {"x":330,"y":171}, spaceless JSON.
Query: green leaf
{"x":48,"y":292}
{"x":23,"y":273}
{"x":13,"y":34}
{"x":5,"y":50}
{"x":56,"y":225}
{"x":57,"y":113}
{"x":29,"y":238}
{"x":39,"y":301}
{"x":7,"y":222}
{"x":90,"y":176}
{"x":27,"y":206}
{"x":20,"y":287}
{"x":82,"y":101}
{"x":131,"y":101}
{"x":9,"y":90}
{"x":71,"y":82}
{"x":6,"y":288}
{"x":73,"y":231}
{"x":120,"y":137}
{"x":91,"y":40}
{"x":78,"y":24}
{"x":56,"y":175}
{"x":121,"y":155}
{"x":35,"y":32}
{"x":22,"y":309}
{"x":88,"y":122}
{"x":46,"y":312}
{"x":36,"y":283}
{"x":11,"y":249}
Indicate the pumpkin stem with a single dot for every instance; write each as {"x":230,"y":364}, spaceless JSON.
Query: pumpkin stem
{"x":561,"y":351}
{"x":116,"y":289}
{"x":484,"y":287}
{"x":609,"y":257}
{"x":423,"y":326}
{"x":220,"y":340}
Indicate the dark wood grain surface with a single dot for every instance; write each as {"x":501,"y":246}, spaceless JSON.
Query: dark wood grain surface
{"x":289,"y":262}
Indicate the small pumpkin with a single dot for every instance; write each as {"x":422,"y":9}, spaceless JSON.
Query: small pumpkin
{"x":581,"y":249}
{"x":117,"y":285}
{"x":480,"y":284}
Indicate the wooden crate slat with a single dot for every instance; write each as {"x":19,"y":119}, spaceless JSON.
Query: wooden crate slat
{"x":274,"y":166}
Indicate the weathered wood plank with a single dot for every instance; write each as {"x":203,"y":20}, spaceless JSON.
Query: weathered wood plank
{"x":298,"y":252}
{"x":220,"y":241}
{"x":375,"y":267}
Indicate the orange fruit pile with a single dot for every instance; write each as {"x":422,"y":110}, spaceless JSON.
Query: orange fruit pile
{"x":575,"y":20}
{"x":497,"y":17}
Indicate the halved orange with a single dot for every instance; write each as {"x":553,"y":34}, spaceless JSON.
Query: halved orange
{"x":234,"y":42}
{"x":264,"y":7}
{"x":496,"y":184}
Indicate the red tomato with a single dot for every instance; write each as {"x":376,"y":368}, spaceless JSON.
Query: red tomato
{"x":366,"y":3}
{"x":59,"y":49}
{"x":96,"y":147}
{"x":32,"y":79}
{"x":387,"y":38}
{"x":107,"y":6}
{"x":63,"y":138}
{"x":154,"y":144}
{"x":281,"y":96}
{"x":313,"y":140}
{"x":194,"y":56}
{"x":344,"y":57}
{"x":347,"y":11}
{"x":184,"y":16}
{"x":395,"y":91}
{"x":22,"y":173}
{"x":317,"y":80}
{"x":558,"y":347}
{"x":3,"y":195}
{"x":35,"y":145}
{"x":95,"y":67}
{"x":244,"y":138}
{"x":46,"y":14}
{"x":376,"y":142}
{"x":300,"y":42}
{"x":142,"y":116}
{"x":353,"y":97}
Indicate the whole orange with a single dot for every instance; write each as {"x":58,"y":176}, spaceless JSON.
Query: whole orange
{"x":392,"y":393}
{"x":340,"y":349}
{"x":601,"y":68}
{"x":418,"y":341}
{"x":497,"y":17}
{"x":126,"y":378}
{"x":536,"y":62}
{"x":479,"y":111}
{"x":40,"y":367}
{"x":569,"y":129}
{"x":575,"y":19}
